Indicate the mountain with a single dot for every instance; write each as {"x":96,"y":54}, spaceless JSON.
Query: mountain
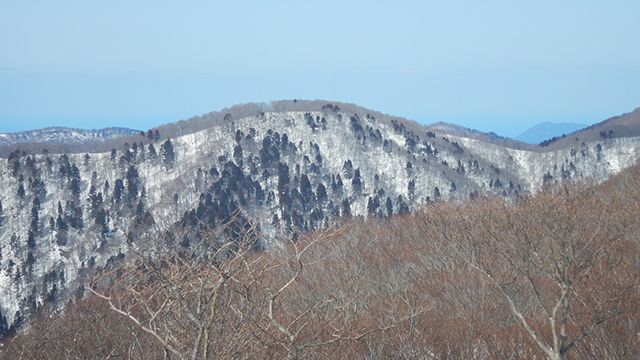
{"x":547,"y":130}
{"x":62,"y":135}
{"x":285,"y":167}
{"x":617,"y":127}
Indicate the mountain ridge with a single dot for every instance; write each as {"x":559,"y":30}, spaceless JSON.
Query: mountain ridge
{"x":59,"y":135}
{"x":619,"y":126}
{"x":214,"y":118}
{"x":301,"y":167}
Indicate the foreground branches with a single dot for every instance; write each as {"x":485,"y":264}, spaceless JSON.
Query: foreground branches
{"x":552,"y":276}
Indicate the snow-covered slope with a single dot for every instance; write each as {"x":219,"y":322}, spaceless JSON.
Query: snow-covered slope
{"x":291,"y":167}
{"x":62,"y":135}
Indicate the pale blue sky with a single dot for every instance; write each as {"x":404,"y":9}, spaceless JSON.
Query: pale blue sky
{"x":491,"y":65}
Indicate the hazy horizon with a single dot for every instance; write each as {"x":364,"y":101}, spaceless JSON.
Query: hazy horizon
{"x":106,"y":123}
{"x":493,"y":66}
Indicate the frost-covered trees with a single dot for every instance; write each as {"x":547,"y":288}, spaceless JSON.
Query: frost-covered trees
{"x":74,"y":215}
{"x":270,"y":153}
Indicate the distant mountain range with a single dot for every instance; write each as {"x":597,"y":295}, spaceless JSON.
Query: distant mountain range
{"x":63,"y":135}
{"x":621,"y":126}
{"x":543,"y":133}
{"x":547,"y":130}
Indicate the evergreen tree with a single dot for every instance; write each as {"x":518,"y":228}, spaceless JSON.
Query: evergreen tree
{"x":74,"y":185}
{"x":308,"y":198}
{"x":239,"y":136}
{"x":143,"y":217}
{"x":436,"y":193}
{"x":167,"y":154}
{"x":94,"y":200}
{"x":389,"y":206}
{"x":153,"y":155}
{"x":126,"y":158}
{"x":101,"y":220}
{"x":31,"y":239}
{"x":237,"y":154}
{"x":283,"y":178}
{"x":21,"y":193}
{"x":269,"y":152}
{"x":316,"y":215}
{"x":259,"y":192}
{"x":15,"y":167}
{"x":284,"y":142}
{"x":61,"y":227}
{"x":401,"y":206}
{"x":38,"y":189}
{"x":356,"y":182}
{"x":347,"y":169}
{"x":73,"y":215}
{"x":4,"y":326}
{"x":321,"y":194}
{"x":118,"y":191}
{"x":132,"y":184}
{"x":373,"y":204}
{"x":346,"y":207}
{"x":411,"y":189}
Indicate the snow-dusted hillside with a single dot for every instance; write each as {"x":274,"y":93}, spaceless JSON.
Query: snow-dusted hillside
{"x":296,"y":169}
{"x":62,"y":135}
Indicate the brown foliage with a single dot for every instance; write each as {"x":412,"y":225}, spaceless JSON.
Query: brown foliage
{"x":551,"y":276}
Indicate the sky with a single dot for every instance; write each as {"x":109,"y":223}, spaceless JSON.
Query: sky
{"x":499,"y":66}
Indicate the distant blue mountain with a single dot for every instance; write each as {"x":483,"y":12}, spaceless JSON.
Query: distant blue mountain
{"x":546,"y":130}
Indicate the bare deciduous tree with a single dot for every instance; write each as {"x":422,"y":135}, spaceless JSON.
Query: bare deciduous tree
{"x":555,"y":276}
{"x":561,"y":262}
